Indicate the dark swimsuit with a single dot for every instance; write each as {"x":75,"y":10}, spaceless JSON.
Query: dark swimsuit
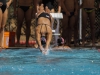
{"x":25,"y":8}
{"x":45,"y":15}
{"x":88,"y":10}
{"x":71,"y":14}
{"x":4,"y":6}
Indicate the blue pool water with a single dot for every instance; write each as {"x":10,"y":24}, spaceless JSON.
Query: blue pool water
{"x":82,"y":61}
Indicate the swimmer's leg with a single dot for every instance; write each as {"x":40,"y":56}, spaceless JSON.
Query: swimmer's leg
{"x":0,"y":28}
{"x":20,"y":18}
{"x":65,"y":29}
{"x":3,"y":23}
{"x":76,"y":28}
{"x":84,"y":24}
{"x":49,"y":37}
{"x":28,"y":18}
{"x":71,"y":25}
{"x":38,"y":38}
{"x":92,"y":22}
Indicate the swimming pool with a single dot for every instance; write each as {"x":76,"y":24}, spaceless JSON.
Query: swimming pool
{"x":81,"y":61}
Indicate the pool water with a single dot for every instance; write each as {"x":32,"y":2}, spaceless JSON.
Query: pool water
{"x":30,"y":61}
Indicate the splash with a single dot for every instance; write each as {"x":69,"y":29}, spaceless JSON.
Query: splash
{"x":46,"y":52}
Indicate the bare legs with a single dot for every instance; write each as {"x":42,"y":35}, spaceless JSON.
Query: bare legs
{"x":67,"y":28}
{"x":91,"y":16}
{"x":28,"y":17}
{"x":3,"y":19}
{"x":20,"y":18}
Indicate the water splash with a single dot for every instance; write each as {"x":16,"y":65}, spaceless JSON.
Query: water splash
{"x":46,"y":52}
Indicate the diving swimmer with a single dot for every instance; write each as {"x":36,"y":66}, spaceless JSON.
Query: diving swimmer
{"x":43,"y":29}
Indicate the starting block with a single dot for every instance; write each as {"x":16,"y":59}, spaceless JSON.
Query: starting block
{"x":56,"y":34}
{"x":57,"y":15}
{"x":53,"y":30}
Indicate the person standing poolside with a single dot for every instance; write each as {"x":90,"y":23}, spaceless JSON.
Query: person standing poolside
{"x":49,"y":4}
{"x":70,"y":12}
{"x":88,"y":11}
{"x":24,"y":11}
{"x":4,"y":5}
{"x":43,"y":29}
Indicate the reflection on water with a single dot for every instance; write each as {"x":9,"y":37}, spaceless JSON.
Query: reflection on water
{"x":32,"y":62}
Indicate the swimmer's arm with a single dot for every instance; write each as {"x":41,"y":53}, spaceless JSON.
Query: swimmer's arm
{"x":49,"y":37}
{"x":98,"y":2}
{"x":76,"y":7}
{"x":38,"y":37}
{"x":63,"y":7}
{"x":36,"y":4}
{"x":59,"y":6}
{"x":9,"y":2}
{"x":51,"y":19}
{"x":14,"y":4}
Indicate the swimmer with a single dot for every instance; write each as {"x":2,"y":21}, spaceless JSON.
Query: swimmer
{"x":60,"y":41}
{"x":25,"y":12}
{"x":70,"y":13}
{"x":4,"y":5}
{"x":61,"y":46}
{"x":88,"y":12}
{"x":43,"y":29}
{"x":50,"y":5}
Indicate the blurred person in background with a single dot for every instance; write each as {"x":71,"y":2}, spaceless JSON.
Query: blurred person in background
{"x":4,"y":5}
{"x":24,"y":11}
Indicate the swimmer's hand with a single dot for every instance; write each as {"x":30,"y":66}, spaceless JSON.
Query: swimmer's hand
{"x":41,"y":49}
{"x":45,"y":52}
